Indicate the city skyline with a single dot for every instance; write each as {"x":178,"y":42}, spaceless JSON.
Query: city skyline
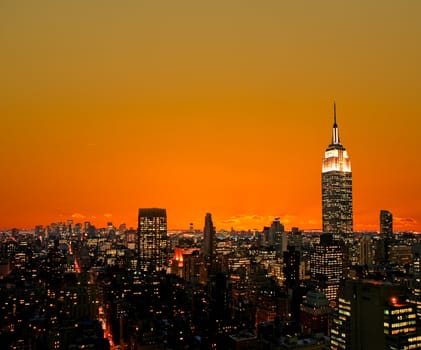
{"x":196,"y":108}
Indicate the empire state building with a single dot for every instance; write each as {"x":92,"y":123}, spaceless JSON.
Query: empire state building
{"x":336,"y":187}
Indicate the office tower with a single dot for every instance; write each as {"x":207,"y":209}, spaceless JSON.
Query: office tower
{"x":278,"y":236}
{"x":292,"y":267}
{"x":314,"y":313}
{"x":219,"y":302}
{"x":366,"y":255}
{"x":336,"y":187}
{"x":208,"y":247}
{"x":386,"y":236}
{"x":265,"y":236}
{"x":69,"y":229}
{"x":152,"y":239}
{"x":374,"y":315}
{"x":415,"y":285}
{"x":296,"y":238}
{"x":386,"y":224}
{"x":326,"y":266}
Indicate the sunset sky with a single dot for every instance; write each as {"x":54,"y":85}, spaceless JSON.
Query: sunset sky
{"x":222,"y":106}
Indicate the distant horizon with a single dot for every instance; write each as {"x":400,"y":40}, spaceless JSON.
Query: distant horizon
{"x":226,"y":224}
{"x":186,"y":230}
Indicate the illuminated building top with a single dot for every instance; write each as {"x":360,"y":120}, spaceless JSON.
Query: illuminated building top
{"x":336,"y":157}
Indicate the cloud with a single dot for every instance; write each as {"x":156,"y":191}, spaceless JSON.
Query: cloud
{"x":406,"y":223}
{"x":231,"y":220}
{"x":78,"y":216}
{"x":405,"y":220}
{"x":108,"y":215}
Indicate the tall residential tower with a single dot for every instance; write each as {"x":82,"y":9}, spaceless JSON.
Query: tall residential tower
{"x":336,"y":187}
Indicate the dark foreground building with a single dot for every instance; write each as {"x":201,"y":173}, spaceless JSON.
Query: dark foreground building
{"x":374,"y":315}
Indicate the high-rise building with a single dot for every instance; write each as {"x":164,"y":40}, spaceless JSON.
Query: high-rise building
{"x":326,"y":266}
{"x":275,"y":234}
{"x":366,"y":254}
{"x":208,"y":246}
{"x":386,"y":237}
{"x":296,"y":238}
{"x":415,"y":286}
{"x":386,"y":224}
{"x":292,"y":267}
{"x":374,"y":315}
{"x":278,"y":237}
{"x":336,"y":187}
{"x":314,"y":313}
{"x":152,"y":239}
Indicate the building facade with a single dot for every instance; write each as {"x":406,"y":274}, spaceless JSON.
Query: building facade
{"x":326,"y":266}
{"x":374,"y":315}
{"x":152,"y":239}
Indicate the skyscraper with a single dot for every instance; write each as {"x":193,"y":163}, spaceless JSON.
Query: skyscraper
{"x":366,"y":255}
{"x":386,"y":224}
{"x":208,"y":246}
{"x":277,"y":237}
{"x":292,"y":258}
{"x":152,"y":239}
{"x":326,"y":266}
{"x":336,"y":187}
{"x":374,"y":315}
{"x":386,"y":236}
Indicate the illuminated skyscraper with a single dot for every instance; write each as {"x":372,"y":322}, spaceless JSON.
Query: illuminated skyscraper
{"x":336,"y":187}
{"x":326,"y":266}
{"x":152,"y":239}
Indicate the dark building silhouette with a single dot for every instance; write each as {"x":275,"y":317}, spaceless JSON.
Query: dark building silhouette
{"x":315,"y":313}
{"x":152,"y":239}
{"x":386,"y":224}
{"x":296,"y":238}
{"x":208,"y":246}
{"x":278,"y":238}
{"x":374,"y":315}
{"x":336,"y":187}
{"x":292,"y":267}
{"x":386,"y":237}
{"x":220,"y":302}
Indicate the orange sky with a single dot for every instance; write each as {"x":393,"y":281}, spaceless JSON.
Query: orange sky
{"x":218,"y":106}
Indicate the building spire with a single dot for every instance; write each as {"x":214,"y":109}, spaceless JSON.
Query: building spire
{"x":335,"y":131}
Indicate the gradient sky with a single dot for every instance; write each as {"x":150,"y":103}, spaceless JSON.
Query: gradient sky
{"x":216,"y":106}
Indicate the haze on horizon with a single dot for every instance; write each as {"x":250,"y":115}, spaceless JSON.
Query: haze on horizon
{"x":223,"y":107}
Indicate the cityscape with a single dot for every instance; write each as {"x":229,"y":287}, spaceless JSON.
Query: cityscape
{"x":216,"y":175}
{"x":70,"y":285}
